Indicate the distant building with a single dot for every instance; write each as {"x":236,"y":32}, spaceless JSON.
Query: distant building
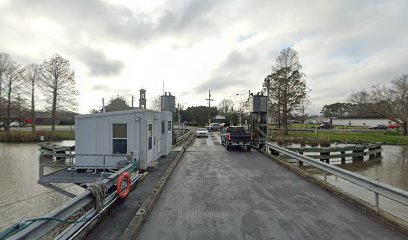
{"x":317,"y":120}
{"x":362,"y":122}
{"x":218,"y":119}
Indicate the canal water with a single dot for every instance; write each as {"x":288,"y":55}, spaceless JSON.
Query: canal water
{"x":21,"y":197}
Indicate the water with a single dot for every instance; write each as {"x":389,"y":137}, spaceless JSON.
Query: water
{"x":21,"y":197}
{"x":391,"y":169}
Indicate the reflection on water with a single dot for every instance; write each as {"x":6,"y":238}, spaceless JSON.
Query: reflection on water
{"x":21,"y":196}
{"x":391,"y":169}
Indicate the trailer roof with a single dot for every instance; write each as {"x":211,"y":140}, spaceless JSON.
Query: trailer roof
{"x":125,"y":112}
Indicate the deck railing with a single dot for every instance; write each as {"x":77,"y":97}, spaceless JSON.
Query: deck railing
{"x":42,"y":227}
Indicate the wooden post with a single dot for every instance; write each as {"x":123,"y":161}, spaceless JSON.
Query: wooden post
{"x":356,"y":151}
{"x":379,"y":152}
{"x":343,"y":158}
{"x":371,"y":155}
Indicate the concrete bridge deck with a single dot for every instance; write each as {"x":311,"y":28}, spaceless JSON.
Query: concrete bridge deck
{"x":218,"y":194}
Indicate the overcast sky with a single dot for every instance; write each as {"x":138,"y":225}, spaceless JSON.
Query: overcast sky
{"x":117,"y":47}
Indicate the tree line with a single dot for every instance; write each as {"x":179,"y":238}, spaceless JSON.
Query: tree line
{"x":53,"y":80}
{"x":388,"y":101}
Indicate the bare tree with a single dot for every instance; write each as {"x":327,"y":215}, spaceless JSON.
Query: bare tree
{"x":155,"y":103}
{"x":58,"y":85}
{"x":32,"y":74}
{"x":5,"y":66}
{"x":303,"y":107}
{"x":285,"y":85}
{"x":12,"y":83}
{"x":390,"y":102}
{"x":225,"y":106}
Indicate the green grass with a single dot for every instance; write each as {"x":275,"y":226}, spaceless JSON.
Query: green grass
{"x":24,"y":137}
{"x":387,"y":137}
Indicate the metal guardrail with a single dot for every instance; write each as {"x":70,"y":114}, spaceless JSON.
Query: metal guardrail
{"x":182,"y":137}
{"x":40,"y":228}
{"x":377,"y":187}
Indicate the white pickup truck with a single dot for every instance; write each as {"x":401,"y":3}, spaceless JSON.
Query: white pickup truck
{"x":214,"y":127}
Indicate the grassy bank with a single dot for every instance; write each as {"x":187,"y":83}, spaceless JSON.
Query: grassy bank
{"x":327,"y":137}
{"x":28,"y":136}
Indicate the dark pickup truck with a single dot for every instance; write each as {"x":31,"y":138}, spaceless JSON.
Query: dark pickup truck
{"x":236,"y":137}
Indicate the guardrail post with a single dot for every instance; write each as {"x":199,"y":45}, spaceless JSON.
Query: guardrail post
{"x":325,"y":176}
{"x":377,"y":201}
{"x":343,"y":158}
{"x":325,"y":155}
{"x":300,"y":163}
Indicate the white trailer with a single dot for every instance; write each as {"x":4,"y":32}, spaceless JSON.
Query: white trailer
{"x":103,"y":140}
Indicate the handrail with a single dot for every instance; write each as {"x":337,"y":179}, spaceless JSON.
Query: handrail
{"x":39,"y":228}
{"x":376,"y":186}
{"x":182,"y":137}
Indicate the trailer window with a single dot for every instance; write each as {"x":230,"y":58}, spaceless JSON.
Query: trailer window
{"x":119,"y":138}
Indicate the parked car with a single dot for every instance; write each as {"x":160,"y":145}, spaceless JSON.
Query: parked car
{"x":202,"y":132}
{"x":214,"y":127}
{"x":379,"y":127}
{"x":236,"y":137}
{"x":394,"y":125}
{"x":325,"y":126}
{"x":16,"y":124}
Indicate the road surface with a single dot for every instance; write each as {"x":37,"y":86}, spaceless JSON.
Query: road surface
{"x":219,"y":194}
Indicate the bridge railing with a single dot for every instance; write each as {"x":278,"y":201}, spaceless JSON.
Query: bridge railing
{"x":66,"y":212}
{"x":375,"y":186}
{"x":184,"y":136}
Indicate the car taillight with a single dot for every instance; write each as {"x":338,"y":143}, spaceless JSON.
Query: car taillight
{"x":229,"y":137}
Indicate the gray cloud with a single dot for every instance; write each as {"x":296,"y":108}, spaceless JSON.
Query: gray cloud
{"x":186,"y":20}
{"x":242,"y":70}
{"x":101,"y":88}
{"x":98,"y":64}
{"x":343,"y":45}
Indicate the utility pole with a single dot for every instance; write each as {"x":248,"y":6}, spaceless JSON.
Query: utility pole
{"x":268,"y":84}
{"x":209,"y":99}
{"x":179,"y":117}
